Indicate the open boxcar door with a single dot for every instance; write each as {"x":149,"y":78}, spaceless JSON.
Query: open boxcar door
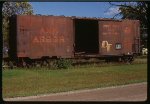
{"x":86,"y":36}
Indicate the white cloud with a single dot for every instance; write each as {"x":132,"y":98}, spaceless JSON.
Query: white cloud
{"x":112,"y":11}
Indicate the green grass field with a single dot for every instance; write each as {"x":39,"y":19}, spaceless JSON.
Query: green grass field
{"x":26,"y":82}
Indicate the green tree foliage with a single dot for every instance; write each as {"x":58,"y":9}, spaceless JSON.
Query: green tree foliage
{"x":13,"y":8}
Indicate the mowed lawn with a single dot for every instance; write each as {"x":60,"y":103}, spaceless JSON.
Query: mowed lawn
{"x":26,"y":82}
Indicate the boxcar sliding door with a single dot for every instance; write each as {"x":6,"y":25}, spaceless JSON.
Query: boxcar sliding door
{"x":110,"y":37}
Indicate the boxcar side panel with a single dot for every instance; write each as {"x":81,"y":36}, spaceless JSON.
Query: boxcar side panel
{"x":109,"y":37}
{"x":23,"y":36}
{"x":130,"y":31}
{"x":136,"y":44}
{"x":46,"y":36}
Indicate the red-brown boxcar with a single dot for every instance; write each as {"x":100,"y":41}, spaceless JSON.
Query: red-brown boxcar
{"x":119,"y":37}
{"x":68,"y":37}
{"x":40,"y":36}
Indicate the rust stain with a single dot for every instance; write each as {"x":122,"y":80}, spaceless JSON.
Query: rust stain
{"x":110,"y":29}
{"x":21,"y":54}
{"x":127,"y":30}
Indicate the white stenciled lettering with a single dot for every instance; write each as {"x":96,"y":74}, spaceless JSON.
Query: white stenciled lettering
{"x":106,"y":45}
{"x":48,"y":39}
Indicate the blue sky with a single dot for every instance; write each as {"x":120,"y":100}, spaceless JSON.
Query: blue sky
{"x":80,"y":9}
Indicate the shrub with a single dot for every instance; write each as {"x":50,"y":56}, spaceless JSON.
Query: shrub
{"x":63,"y":63}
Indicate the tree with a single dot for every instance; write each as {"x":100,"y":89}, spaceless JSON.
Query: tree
{"x":135,"y":10}
{"x":13,"y":8}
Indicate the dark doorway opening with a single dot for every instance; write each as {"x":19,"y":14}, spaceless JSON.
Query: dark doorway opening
{"x":86,"y":36}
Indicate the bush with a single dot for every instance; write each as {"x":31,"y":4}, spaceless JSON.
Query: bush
{"x":63,"y":63}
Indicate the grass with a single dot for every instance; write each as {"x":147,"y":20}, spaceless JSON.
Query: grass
{"x":27,"y":82}
{"x":140,"y":60}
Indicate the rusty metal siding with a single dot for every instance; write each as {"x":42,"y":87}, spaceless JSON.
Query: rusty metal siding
{"x":125,"y":32}
{"x":23,"y":36}
{"x":127,"y":29}
{"x":131,"y":36}
{"x":136,"y":44}
{"x":109,"y":36}
{"x":45,"y":36}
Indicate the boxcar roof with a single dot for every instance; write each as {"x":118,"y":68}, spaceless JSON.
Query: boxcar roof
{"x":75,"y":17}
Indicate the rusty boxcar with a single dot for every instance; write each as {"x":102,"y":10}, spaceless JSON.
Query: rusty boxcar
{"x":35,"y":37}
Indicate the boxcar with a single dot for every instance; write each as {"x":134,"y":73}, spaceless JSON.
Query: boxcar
{"x":35,"y":37}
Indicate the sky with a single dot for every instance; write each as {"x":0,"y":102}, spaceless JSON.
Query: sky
{"x":79,"y":9}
